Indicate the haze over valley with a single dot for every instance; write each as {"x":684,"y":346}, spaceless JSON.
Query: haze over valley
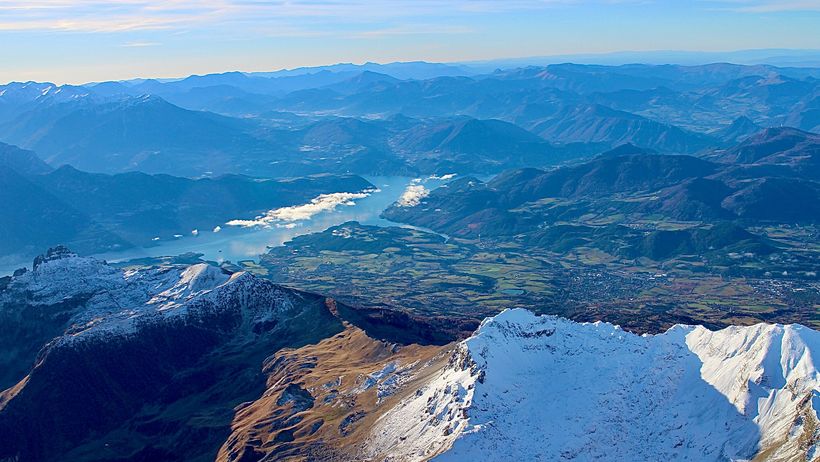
{"x":588,"y":254}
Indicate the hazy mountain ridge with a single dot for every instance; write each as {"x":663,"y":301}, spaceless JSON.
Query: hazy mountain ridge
{"x":143,"y":133}
{"x":98,"y":211}
{"x":21,"y":161}
{"x":597,"y":123}
{"x":671,"y":109}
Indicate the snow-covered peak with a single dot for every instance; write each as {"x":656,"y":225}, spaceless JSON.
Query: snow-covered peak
{"x":55,"y":253}
{"x":193,"y":281}
{"x":767,"y":372}
{"x":154,"y":297}
{"x":528,"y":387}
{"x":104,"y":298}
{"x":61,"y":275}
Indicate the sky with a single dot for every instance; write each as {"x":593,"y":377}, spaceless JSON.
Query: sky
{"x":82,"y":41}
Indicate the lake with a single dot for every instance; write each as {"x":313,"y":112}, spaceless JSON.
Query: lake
{"x":234,"y":244}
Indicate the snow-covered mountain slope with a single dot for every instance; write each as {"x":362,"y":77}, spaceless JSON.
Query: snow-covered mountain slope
{"x":61,"y":274}
{"x":98,"y":363}
{"x":525,"y":387}
{"x":106,"y":297}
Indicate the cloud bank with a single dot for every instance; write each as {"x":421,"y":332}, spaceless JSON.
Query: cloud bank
{"x":412,"y":195}
{"x":287,"y":216}
{"x":297,"y":16}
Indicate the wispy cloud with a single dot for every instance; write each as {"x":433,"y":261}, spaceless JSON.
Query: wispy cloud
{"x":416,"y":29}
{"x":97,"y":16}
{"x":768,"y":6}
{"x":296,"y":16}
{"x":131,"y":15}
{"x":140,"y":44}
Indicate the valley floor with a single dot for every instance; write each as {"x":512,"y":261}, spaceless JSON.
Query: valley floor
{"x":469,"y":279}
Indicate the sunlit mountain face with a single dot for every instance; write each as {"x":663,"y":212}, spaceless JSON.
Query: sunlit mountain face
{"x":586,"y":254}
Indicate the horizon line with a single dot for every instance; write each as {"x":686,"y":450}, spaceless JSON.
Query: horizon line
{"x":487,"y":62}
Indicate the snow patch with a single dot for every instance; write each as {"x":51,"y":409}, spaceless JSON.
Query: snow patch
{"x":528,"y":387}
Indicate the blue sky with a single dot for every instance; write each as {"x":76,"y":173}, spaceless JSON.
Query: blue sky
{"x":89,"y":40}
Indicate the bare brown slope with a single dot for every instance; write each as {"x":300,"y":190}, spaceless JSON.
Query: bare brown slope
{"x":322,"y":399}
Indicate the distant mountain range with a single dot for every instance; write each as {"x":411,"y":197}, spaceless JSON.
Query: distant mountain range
{"x":681,"y":201}
{"x":147,"y":134}
{"x":407,"y":118}
{"x":772,"y":56}
{"x":596,"y":123}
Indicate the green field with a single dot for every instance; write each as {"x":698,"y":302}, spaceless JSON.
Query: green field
{"x":420,"y":272}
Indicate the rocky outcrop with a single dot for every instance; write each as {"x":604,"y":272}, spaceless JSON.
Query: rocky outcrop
{"x":145,"y":365}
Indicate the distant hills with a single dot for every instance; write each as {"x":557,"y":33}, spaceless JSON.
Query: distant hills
{"x":21,"y":161}
{"x":771,"y":56}
{"x":742,"y":128}
{"x":95,"y":212}
{"x":777,"y":146}
{"x":404,"y":118}
{"x":146,"y":134}
{"x":596,"y":123}
{"x":770,"y":178}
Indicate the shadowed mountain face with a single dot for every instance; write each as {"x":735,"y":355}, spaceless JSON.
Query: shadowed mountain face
{"x":742,"y":128}
{"x":777,"y":148}
{"x":156,"y":375}
{"x":806,"y":115}
{"x":21,"y":161}
{"x":147,"y":134}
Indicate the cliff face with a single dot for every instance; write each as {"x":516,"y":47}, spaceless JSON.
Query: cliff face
{"x":194,"y":364}
{"x":544,"y":388}
{"x":147,"y":365}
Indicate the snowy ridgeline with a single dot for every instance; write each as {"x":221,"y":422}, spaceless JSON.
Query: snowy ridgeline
{"x":108,"y":300}
{"x":522,"y":387}
{"x":525,"y":387}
